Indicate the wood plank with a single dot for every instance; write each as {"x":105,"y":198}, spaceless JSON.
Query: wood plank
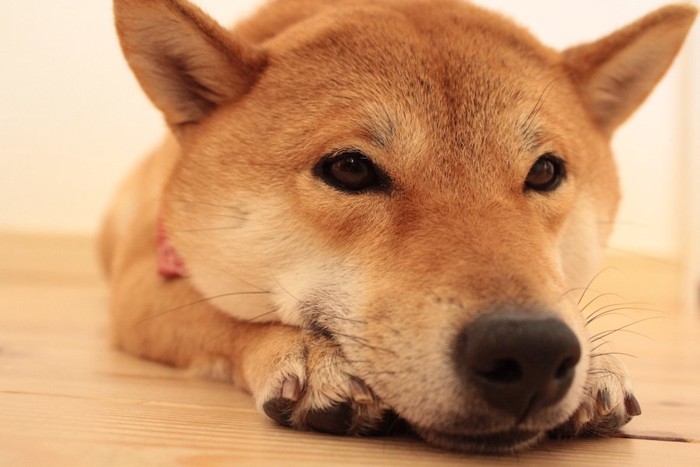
{"x":67,"y":398}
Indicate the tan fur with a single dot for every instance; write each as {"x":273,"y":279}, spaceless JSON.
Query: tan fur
{"x":303,"y":294}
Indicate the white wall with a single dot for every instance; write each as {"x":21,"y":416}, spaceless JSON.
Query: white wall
{"x":690,"y":233}
{"x":72,"y":119}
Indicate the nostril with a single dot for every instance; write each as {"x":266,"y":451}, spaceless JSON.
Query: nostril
{"x":566,"y":369}
{"x":503,"y":371}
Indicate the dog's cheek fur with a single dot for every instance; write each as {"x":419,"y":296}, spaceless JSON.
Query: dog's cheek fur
{"x":584,"y":233}
{"x":248,"y":274}
{"x":243,"y":250}
{"x":320,"y":292}
{"x":581,"y":245}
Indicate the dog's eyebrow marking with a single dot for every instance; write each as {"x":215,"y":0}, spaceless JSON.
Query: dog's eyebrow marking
{"x":377,"y":136}
{"x":379,"y":127}
{"x":534,"y":140}
{"x":533,"y":137}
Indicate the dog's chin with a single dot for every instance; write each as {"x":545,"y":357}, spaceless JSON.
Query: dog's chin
{"x":506,"y":442}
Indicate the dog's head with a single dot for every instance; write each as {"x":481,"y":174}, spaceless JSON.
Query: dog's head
{"x":422,"y":181}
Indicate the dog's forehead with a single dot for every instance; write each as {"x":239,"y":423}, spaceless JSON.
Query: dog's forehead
{"x":413,"y":38}
{"x":449,"y":66}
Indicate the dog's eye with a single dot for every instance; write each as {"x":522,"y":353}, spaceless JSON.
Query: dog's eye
{"x":546,"y":174}
{"x":351,"y":171}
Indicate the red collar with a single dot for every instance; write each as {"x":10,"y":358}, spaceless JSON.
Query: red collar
{"x":170,"y":263}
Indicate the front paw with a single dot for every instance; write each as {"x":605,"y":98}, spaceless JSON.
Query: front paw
{"x":608,"y":401}
{"x":313,"y":388}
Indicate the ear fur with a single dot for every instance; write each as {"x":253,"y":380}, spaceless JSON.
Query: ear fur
{"x":616,"y":74}
{"x":186,"y":63}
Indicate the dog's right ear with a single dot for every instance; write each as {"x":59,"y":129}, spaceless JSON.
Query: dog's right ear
{"x":186,"y":63}
{"x":616,"y":73}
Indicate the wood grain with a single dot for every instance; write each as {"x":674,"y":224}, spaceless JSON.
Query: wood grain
{"x":67,"y":398}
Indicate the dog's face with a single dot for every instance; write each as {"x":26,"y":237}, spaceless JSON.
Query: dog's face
{"x":419,"y":183}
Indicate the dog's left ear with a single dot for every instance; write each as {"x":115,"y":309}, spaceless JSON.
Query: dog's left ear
{"x":616,"y":73}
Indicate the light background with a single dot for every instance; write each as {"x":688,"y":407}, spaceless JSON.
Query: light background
{"x":73,"y":120}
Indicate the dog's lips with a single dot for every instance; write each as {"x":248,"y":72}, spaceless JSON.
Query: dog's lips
{"x":500,"y":442}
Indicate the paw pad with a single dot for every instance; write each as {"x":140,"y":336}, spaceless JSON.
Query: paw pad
{"x":280,"y":410}
{"x":336,"y":419}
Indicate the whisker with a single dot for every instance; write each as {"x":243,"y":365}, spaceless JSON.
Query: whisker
{"x":619,"y":330}
{"x":599,"y":346}
{"x":604,"y":372}
{"x":363,"y":342}
{"x":613,"y":307}
{"x":595,"y":355}
{"x":208,"y":229}
{"x":282,"y":287}
{"x":332,"y":317}
{"x":585,"y":290}
{"x":529,"y":121}
{"x":204,"y":203}
{"x":576,"y":289}
{"x":197,"y":302}
{"x":609,"y":294}
{"x":604,"y":334}
{"x":597,"y":372}
{"x":627,"y":308}
{"x":254,"y":319}
{"x":605,"y":314}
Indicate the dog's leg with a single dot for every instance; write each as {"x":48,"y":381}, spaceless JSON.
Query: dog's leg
{"x":297,"y":377}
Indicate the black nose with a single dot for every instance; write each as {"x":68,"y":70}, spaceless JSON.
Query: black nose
{"x":519,"y":362}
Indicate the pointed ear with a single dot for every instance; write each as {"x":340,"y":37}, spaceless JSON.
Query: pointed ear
{"x":186,"y":63}
{"x":616,"y":73}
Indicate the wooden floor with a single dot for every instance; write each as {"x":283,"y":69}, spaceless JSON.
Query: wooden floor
{"x":67,"y":399}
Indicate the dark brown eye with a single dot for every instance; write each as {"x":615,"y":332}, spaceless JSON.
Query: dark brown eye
{"x":352,"y":172}
{"x":546,"y":174}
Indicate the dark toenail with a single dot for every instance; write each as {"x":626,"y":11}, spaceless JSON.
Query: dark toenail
{"x":603,"y":402}
{"x":336,"y":419}
{"x":280,"y":410}
{"x":632,"y":405}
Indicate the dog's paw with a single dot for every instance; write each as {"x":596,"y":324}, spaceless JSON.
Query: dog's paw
{"x":313,"y":388}
{"x":608,"y":402}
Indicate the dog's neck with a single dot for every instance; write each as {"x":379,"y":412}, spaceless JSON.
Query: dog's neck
{"x":170,"y":263}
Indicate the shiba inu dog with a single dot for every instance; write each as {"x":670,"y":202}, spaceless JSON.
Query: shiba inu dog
{"x":380,"y":208}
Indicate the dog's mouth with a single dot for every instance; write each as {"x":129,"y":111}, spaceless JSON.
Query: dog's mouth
{"x":499,"y":442}
{"x":493,"y":443}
